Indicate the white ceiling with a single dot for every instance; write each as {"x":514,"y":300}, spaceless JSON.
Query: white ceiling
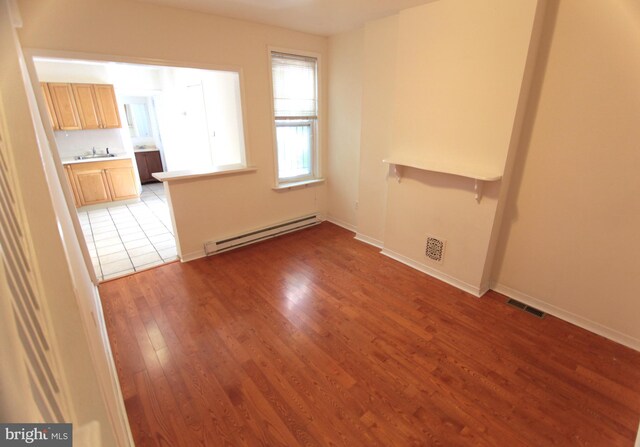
{"x":324,"y":17}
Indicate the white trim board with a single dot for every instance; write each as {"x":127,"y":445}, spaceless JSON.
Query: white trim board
{"x":192,"y":256}
{"x":570,"y":317}
{"x":369,"y":240}
{"x":475,"y":291}
{"x":340,"y":223}
{"x":109,"y":380}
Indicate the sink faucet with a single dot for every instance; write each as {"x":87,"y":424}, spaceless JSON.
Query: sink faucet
{"x":94,"y":150}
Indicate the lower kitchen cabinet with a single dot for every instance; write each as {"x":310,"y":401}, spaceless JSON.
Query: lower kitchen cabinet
{"x":122,"y":182}
{"x":148,"y":162}
{"x":101,"y":181}
{"x":92,"y":186}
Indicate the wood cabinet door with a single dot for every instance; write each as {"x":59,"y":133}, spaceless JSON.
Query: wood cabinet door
{"x":72,"y":185}
{"x":92,"y":186}
{"x":143,"y":169}
{"x":87,"y":106}
{"x":64,"y":106}
{"x":122,"y":183}
{"x":107,"y":106}
{"x":154,"y":162}
{"x":50,"y":110}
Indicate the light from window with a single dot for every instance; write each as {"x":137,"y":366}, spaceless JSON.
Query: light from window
{"x":296,"y":115}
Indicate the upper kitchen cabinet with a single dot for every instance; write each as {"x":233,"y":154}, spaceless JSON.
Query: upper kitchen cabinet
{"x":107,"y":106}
{"x":64,"y":106}
{"x":50,"y":109}
{"x":87,"y":105}
{"x":82,"y":106}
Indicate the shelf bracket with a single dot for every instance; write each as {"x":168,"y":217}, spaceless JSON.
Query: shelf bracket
{"x":397,"y":171}
{"x":478,"y":189}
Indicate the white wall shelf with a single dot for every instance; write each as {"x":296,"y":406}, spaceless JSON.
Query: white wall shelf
{"x":478,"y":175}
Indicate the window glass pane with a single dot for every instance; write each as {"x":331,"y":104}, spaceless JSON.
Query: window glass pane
{"x":295,"y":142}
{"x":295,"y":109}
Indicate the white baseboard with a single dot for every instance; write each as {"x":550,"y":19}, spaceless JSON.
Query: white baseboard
{"x":483,"y":290}
{"x":340,"y":223}
{"x":192,"y":256}
{"x":570,"y":317}
{"x":369,"y":240}
{"x":475,"y":291}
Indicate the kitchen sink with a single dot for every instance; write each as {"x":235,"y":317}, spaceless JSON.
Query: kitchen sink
{"x":92,"y":156}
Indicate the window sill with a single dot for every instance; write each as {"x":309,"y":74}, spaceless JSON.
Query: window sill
{"x":173,"y":176}
{"x":302,"y":184}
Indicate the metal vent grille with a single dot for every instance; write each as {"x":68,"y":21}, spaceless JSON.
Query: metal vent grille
{"x":522,"y":306}
{"x":434,"y":249}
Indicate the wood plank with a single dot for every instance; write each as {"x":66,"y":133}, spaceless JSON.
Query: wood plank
{"x":314,"y":338}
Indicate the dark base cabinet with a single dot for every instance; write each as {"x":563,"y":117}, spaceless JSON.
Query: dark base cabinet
{"x":148,"y":163}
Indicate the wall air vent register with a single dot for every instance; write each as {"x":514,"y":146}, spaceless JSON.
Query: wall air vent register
{"x":434,"y":249}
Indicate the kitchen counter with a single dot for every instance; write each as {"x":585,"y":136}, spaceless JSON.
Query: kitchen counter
{"x":147,"y":149}
{"x":69,"y":161}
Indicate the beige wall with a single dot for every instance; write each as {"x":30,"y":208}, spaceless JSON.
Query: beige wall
{"x":345,"y":101}
{"x":206,"y":209}
{"x":378,"y":88}
{"x":442,"y":206}
{"x":571,"y":241}
{"x":440,"y":81}
{"x":459,"y":74}
{"x":460,"y":67}
{"x":220,"y":207}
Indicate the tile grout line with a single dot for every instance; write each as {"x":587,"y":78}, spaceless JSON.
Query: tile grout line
{"x":164,"y":261}
{"x":119,"y":232}
{"x":145,"y":235}
{"x":161,"y":222}
{"x":121,"y":241}
{"x":156,"y":216}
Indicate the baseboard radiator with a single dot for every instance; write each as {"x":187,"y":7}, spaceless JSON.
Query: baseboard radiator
{"x":251,"y":237}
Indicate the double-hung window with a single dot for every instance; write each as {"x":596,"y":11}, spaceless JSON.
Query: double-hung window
{"x":295,"y":106}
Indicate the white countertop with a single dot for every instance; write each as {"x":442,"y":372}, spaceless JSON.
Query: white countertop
{"x":147,"y":149}
{"x":68,"y":161}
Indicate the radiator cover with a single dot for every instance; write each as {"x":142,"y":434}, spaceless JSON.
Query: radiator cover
{"x":251,"y":237}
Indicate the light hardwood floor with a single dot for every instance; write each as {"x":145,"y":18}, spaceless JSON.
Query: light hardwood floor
{"x":316,"y":339}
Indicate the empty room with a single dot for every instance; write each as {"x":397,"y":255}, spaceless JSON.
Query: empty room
{"x":322,"y":223}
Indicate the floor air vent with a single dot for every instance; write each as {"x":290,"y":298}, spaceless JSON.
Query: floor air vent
{"x":252,"y":237}
{"x":532,"y":310}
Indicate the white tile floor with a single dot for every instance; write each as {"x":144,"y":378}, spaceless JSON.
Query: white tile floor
{"x":123,"y":239}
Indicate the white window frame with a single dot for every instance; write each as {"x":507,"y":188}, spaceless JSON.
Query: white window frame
{"x":316,"y":124}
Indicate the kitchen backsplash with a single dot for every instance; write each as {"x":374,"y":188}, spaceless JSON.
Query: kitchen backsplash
{"x":76,"y":142}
